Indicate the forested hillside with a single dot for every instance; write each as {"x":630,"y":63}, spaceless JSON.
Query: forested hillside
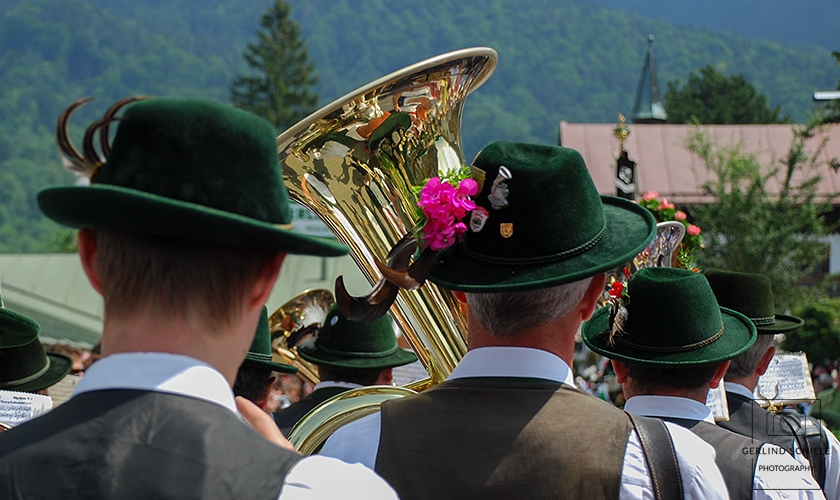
{"x":559,"y":59}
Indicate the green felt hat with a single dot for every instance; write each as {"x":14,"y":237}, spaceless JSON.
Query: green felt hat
{"x":345,"y":344}
{"x":259,"y":355}
{"x":751,"y":295}
{"x":672,"y":319}
{"x":24,"y":365}
{"x":15,"y":328}
{"x":554,"y":228}
{"x":191,"y":169}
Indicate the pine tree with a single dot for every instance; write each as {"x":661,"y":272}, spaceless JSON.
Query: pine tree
{"x":280,"y":85}
{"x":714,"y":98}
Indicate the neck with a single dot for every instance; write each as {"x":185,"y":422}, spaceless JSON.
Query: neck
{"x":748,"y":382}
{"x":221,"y":346}
{"x":631,"y":390}
{"x":556,"y":336}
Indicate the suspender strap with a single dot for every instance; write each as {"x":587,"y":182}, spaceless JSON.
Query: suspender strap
{"x":660,"y":456}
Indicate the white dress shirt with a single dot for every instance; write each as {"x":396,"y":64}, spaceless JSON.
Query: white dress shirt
{"x":312,"y":478}
{"x":777,"y":474}
{"x":358,"y":442}
{"x":832,"y":459}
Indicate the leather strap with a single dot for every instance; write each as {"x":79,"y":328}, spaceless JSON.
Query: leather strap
{"x":811,"y":440}
{"x":660,"y":456}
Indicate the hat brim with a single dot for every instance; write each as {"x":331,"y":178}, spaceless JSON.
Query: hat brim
{"x":738,"y":335}
{"x":269,"y":365}
{"x":630,"y":228}
{"x":783,"y":324}
{"x":18,"y":329}
{"x":399,"y":357}
{"x":60,"y":366}
{"x":104,"y":205}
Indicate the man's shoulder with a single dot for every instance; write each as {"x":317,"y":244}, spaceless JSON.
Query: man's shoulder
{"x":317,"y":477}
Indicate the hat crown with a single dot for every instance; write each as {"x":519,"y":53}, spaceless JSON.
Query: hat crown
{"x":342,"y":337}
{"x":671,"y":308}
{"x":748,"y":293}
{"x":553,"y":208}
{"x":200,"y":152}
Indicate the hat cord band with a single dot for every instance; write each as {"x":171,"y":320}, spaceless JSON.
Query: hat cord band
{"x":359,"y":354}
{"x":256,"y":356}
{"x":26,"y":380}
{"x":543,"y":259}
{"x":769,"y":320}
{"x":682,"y":348}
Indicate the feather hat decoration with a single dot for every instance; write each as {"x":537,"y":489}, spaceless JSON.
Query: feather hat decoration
{"x":88,"y":163}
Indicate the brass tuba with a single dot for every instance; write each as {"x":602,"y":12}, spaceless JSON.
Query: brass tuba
{"x":355,"y":164}
{"x":294,"y":322}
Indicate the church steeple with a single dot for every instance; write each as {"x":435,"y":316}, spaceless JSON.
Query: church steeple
{"x":648,"y":106}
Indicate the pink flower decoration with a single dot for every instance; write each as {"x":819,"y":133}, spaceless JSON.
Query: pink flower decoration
{"x":650,"y":195}
{"x":679,"y":215}
{"x":693,"y":230}
{"x":444,"y":207}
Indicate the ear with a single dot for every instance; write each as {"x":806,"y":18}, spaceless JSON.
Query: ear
{"x":719,"y":373}
{"x":765,"y":360}
{"x":263,"y":401}
{"x":87,"y":253}
{"x":386,"y":377}
{"x":590,"y":299}
{"x":265,"y":281}
{"x":620,"y":370}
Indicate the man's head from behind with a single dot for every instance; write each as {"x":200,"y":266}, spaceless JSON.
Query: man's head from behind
{"x":254,"y":380}
{"x":751,"y":294}
{"x":354,"y":352}
{"x":24,"y":365}
{"x":187,"y":206}
{"x":668,"y":324}
{"x":539,"y":245}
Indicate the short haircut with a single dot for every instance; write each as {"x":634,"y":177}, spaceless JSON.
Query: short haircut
{"x":173,"y":275}
{"x":504,"y":314}
{"x":745,"y":364}
{"x":361,"y":376}
{"x":652,"y":379}
{"x":251,"y":383}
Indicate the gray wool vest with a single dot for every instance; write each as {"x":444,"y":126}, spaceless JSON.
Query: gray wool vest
{"x":131,"y":444}
{"x":736,"y":467}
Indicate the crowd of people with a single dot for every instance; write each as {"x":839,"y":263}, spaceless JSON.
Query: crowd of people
{"x":183,"y":230}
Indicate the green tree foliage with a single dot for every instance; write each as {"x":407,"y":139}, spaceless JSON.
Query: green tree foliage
{"x":831,"y":110}
{"x":752,"y":228}
{"x":819,"y":337}
{"x":282,"y":89}
{"x":580,"y":62}
{"x":711,"y":97}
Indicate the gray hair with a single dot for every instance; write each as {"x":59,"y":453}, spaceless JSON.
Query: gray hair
{"x":504,"y":314}
{"x":745,"y":364}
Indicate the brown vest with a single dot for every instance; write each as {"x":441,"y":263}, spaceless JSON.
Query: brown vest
{"x":486,"y":438}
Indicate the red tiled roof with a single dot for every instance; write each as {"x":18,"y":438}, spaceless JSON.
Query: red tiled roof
{"x":664,"y":165}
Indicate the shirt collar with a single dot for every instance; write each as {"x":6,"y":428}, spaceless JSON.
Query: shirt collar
{"x":336,"y":383}
{"x":669,"y":406}
{"x":519,"y":362}
{"x":159,"y":372}
{"x":738,"y":389}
